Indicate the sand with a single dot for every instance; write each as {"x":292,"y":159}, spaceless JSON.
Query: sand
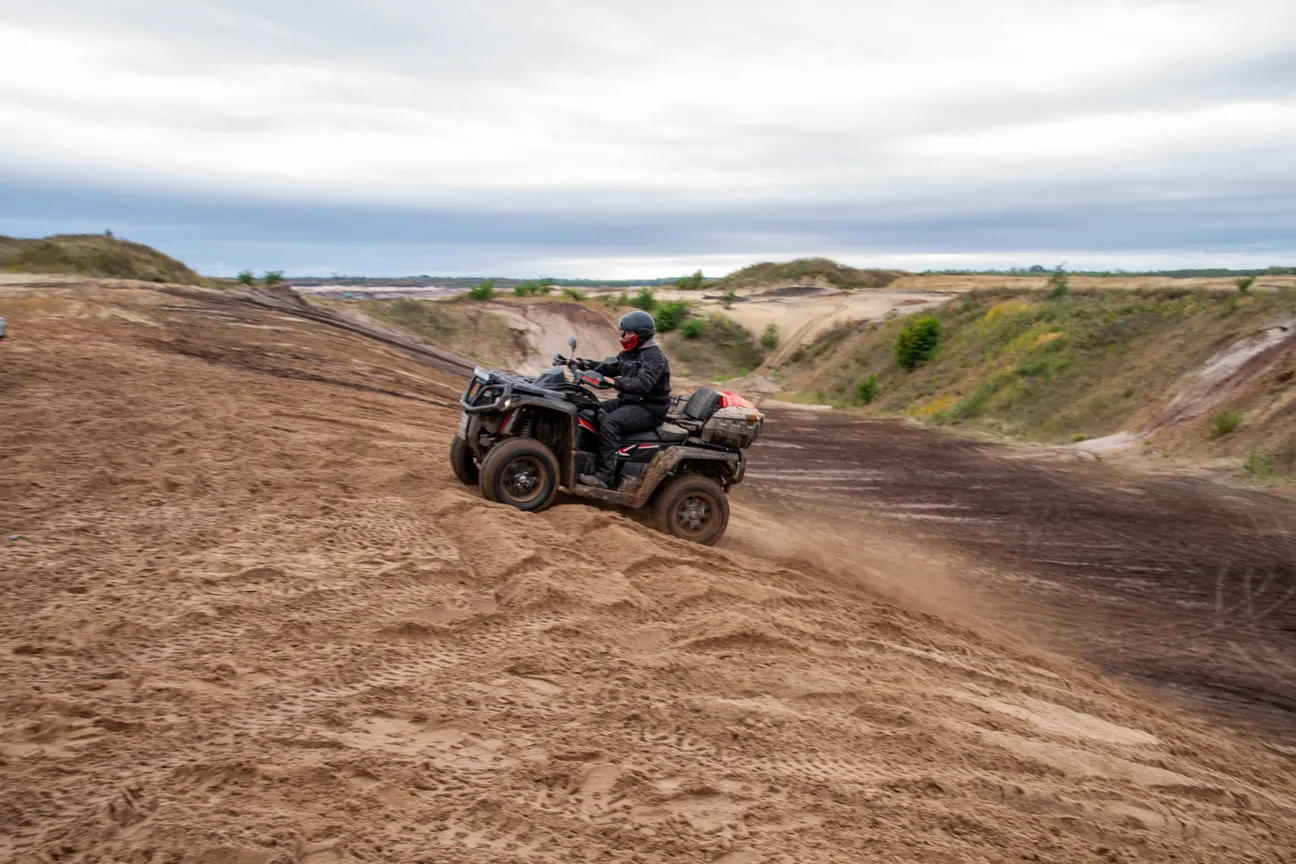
{"x":251,"y":617}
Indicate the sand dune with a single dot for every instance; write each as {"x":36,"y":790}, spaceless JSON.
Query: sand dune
{"x":251,"y":617}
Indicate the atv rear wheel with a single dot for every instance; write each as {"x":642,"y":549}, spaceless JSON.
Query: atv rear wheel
{"x":461,"y":460}
{"x":693,"y":508}
{"x":520,"y":472}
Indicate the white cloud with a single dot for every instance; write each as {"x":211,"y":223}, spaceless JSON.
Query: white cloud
{"x":713,"y":98}
{"x":924,"y":106}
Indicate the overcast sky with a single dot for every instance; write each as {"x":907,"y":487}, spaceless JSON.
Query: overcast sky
{"x":605,"y":138}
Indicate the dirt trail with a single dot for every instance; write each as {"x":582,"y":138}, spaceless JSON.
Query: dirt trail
{"x":250,"y":617}
{"x":1172,"y":582}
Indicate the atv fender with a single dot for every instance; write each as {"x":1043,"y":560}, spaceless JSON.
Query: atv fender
{"x":665,"y":465}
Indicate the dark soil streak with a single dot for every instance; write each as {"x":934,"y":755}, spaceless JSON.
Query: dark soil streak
{"x":1177,"y":583}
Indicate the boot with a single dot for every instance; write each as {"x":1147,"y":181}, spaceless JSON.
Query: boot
{"x":594,"y":480}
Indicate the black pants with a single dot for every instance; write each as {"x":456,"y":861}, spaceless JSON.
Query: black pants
{"x":620,"y":421}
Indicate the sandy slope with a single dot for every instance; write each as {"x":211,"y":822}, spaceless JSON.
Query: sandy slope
{"x":252,"y":618}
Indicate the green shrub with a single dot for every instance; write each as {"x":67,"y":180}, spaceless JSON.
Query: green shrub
{"x":533,"y":287}
{"x":644,"y":300}
{"x":670,"y":315}
{"x":689,"y":283}
{"x":483,"y":291}
{"x":1224,"y":423}
{"x":729,"y":297}
{"x":866,"y":389}
{"x":274,"y":277}
{"x":573,"y":294}
{"x":1078,"y":437}
{"x":1244,"y":283}
{"x":1259,"y":465}
{"x":693,"y":328}
{"x":246,"y":278}
{"x":1058,"y":283}
{"x":770,"y":338}
{"x":917,"y":342}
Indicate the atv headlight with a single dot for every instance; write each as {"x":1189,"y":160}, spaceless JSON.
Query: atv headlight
{"x":481,"y":374}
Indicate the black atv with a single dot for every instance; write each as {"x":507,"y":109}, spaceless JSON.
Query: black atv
{"x":522,"y":438}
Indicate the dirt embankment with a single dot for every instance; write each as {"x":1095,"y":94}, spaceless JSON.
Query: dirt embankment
{"x":1157,"y":365}
{"x":522,"y":336}
{"x":251,"y":617}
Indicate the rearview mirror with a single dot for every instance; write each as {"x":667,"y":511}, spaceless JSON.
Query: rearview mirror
{"x":572,"y":343}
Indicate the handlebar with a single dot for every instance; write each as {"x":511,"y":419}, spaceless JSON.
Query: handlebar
{"x":587,"y":377}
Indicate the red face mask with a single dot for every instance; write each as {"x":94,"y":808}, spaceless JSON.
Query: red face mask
{"x":629,"y":341}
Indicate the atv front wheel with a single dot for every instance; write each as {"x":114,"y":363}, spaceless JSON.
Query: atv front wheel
{"x":693,"y":508}
{"x":461,"y":460}
{"x":520,"y":472}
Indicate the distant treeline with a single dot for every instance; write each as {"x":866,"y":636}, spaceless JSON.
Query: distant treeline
{"x":1198,"y":273}
{"x":467,"y":282}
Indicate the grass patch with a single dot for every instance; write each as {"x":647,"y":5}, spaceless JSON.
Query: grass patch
{"x":1259,"y":465}
{"x":866,"y":390}
{"x":693,"y":328}
{"x":1225,"y":423}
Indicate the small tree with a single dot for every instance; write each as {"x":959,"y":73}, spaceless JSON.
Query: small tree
{"x":1058,"y":283}
{"x":670,"y":315}
{"x":770,"y":338}
{"x":245,"y":277}
{"x":573,"y":294}
{"x":108,"y":233}
{"x":274,"y":277}
{"x":917,"y":342}
{"x":693,"y":328}
{"x":729,"y":297}
{"x":644,"y":300}
{"x":866,"y":389}
{"x":689,"y":283}
{"x":1244,"y":283}
{"x":482,"y":291}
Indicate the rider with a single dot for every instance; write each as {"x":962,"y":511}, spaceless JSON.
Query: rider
{"x":642,"y":380}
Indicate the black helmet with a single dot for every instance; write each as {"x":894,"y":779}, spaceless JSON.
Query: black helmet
{"x":639,"y":322}
{"x":636,"y":327}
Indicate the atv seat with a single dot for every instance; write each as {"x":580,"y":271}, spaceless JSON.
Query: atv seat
{"x":667,"y":433}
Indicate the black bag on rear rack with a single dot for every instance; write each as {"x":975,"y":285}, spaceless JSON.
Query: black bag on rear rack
{"x":702,"y":404}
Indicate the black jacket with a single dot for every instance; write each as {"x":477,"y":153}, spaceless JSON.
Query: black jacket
{"x":643,"y":375}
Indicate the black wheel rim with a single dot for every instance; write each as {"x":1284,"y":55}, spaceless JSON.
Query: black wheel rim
{"x":694,"y":514}
{"x":522,"y":480}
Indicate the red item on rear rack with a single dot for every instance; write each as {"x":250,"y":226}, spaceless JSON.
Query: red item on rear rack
{"x":733,"y":400}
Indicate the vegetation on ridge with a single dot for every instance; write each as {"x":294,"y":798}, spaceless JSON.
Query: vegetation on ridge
{"x":99,"y":255}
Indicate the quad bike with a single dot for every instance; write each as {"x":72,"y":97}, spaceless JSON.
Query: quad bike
{"x":522,"y":438}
